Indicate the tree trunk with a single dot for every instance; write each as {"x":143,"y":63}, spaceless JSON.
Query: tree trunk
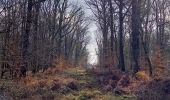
{"x":135,"y":35}
{"x":105,"y":38}
{"x":112,"y":31}
{"x":121,"y":44}
{"x":25,"y":42}
{"x":35,"y":61}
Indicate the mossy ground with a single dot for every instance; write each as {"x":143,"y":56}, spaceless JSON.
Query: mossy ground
{"x":17,"y":90}
{"x":92,"y":93}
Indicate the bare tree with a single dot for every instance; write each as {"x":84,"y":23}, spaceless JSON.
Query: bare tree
{"x":135,"y":34}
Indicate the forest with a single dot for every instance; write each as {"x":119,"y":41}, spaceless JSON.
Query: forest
{"x":47,"y":48}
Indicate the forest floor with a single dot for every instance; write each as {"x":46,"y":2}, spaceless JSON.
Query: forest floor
{"x":70,"y":84}
{"x":81,"y":84}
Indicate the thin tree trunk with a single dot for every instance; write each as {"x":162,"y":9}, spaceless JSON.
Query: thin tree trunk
{"x":121,"y":44}
{"x":145,"y":43}
{"x":35,"y":61}
{"x":112,"y":31}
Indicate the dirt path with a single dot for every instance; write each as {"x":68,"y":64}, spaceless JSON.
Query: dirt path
{"x":70,"y":84}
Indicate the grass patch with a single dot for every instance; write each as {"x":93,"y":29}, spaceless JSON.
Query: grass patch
{"x":70,"y":84}
{"x":94,"y":95}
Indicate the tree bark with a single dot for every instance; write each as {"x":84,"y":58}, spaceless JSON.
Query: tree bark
{"x":35,"y":53}
{"x":25,"y":42}
{"x":112,"y":31}
{"x":121,"y":44}
{"x":135,"y":35}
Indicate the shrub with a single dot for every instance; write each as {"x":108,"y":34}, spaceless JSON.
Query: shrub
{"x":159,"y":63}
{"x":56,"y":87}
{"x":141,"y":75}
{"x":155,"y":90}
{"x":73,"y":85}
{"x":48,"y":96}
{"x":86,"y":95}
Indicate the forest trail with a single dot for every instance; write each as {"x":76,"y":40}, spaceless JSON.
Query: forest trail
{"x":70,"y":84}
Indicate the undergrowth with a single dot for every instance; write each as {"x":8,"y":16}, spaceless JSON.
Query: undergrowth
{"x":53,"y":84}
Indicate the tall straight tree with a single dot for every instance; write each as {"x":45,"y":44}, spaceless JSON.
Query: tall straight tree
{"x":135,"y":43}
{"x":25,"y":43}
{"x":35,"y":35}
{"x":104,"y":32}
{"x":111,"y":26}
{"x":112,"y":30}
{"x":121,"y":44}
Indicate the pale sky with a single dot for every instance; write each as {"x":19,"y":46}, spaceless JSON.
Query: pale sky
{"x":92,"y":47}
